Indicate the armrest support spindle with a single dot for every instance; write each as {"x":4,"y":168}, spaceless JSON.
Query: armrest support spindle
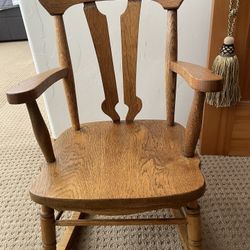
{"x":41,"y":131}
{"x":194,"y":123}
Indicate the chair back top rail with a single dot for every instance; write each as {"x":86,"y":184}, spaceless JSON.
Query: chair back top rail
{"x":58,"y":7}
{"x":101,"y":41}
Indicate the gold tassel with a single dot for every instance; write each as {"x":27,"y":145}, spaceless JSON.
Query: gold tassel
{"x":226,"y":65}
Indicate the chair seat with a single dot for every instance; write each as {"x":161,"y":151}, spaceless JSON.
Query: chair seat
{"x":107,"y":166}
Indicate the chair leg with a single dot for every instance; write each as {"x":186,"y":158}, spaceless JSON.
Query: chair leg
{"x":48,"y":228}
{"x":194,"y":226}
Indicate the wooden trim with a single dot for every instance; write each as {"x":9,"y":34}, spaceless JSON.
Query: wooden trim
{"x":33,"y":87}
{"x":117,"y":222}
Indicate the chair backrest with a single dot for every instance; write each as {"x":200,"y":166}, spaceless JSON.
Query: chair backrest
{"x":99,"y":31}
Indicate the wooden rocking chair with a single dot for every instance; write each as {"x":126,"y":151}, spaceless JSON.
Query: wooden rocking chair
{"x":118,"y":167}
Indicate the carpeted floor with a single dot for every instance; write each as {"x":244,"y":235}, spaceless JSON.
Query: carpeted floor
{"x":225,"y":206}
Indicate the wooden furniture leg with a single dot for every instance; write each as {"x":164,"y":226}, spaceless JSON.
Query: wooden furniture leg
{"x":48,"y":228}
{"x":194,"y":226}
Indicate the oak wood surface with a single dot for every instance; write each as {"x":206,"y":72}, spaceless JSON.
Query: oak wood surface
{"x":65,"y":61}
{"x":199,"y":78}
{"x":182,"y":228}
{"x":194,"y":226}
{"x":41,"y":131}
{"x":142,"y":160}
{"x":102,"y":45}
{"x":130,"y":30}
{"x":47,"y":221}
{"x":171,"y":55}
{"x":33,"y":87}
{"x":194,"y":123}
{"x":58,"y":7}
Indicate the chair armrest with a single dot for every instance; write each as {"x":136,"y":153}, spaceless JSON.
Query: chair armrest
{"x":32,"y":88}
{"x":198,"y":78}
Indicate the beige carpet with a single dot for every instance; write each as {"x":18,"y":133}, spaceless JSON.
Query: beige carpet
{"x":225,"y":207}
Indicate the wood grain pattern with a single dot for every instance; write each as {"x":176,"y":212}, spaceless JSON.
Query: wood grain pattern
{"x":33,"y":87}
{"x":41,"y":131}
{"x":99,"y":31}
{"x":199,"y":78}
{"x":48,"y":229}
{"x":58,"y":7}
{"x":143,"y":160}
{"x":65,"y":61}
{"x":171,"y":56}
{"x":170,"y":4}
{"x":194,"y":123}
{"x":130,"y":30}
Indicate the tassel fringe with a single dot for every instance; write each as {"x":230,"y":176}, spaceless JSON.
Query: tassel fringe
{"x":228,"y":68}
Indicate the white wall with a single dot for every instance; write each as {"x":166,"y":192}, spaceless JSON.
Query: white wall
{"x":194,"y":19}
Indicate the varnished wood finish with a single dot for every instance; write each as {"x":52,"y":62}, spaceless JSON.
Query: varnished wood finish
{"x":194,"y":123}
{"x":109,"y":168}
{"x":48,"y":228}
{"x":65,"y":61}
{"x":171,"y":56}
{"x":229,"y":133}
{"x":194,"y":226}
{"x":130,"y":30}
{"x":182,"y":228}
{"x":120,"y":222}
{"x":41,"y":131}
{"x":199,"y":78}
{"x":101,"y":42}
{"x":170,"y":4}
{"x":143,"y":160}
{"x":33,"y":87}
{"x":58,"y":7}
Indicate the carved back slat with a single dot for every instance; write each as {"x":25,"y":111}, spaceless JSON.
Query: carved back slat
{"x":65,"y":61}
{"x":99,"y":31}
{"x":130,"y":29}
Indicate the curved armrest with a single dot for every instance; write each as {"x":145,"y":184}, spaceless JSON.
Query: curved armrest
{"x":199,"y":78}
{"x":32,"y":88}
